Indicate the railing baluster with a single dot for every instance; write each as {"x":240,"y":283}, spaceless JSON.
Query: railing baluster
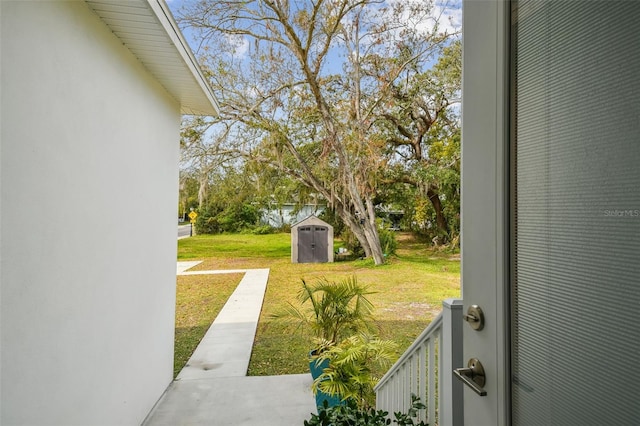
{"x":415,"y":374}
{"x":420,"y":371}
{"x":422,"y":393}
{"x":398,"y":392}
{"x":403,"y":391}
{"x":405,"y":382}
{"x":431,"y":393}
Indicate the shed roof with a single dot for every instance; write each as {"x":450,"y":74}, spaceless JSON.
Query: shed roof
{"x":311,"y":220}
{"x":148,"y":30}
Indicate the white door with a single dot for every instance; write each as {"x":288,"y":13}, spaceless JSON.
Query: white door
{"x":551,"y":210}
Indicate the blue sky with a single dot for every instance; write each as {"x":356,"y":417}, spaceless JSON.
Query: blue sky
{"x":449,"y":10}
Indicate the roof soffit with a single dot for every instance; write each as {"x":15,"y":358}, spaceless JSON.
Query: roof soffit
{"x":148,"y":30}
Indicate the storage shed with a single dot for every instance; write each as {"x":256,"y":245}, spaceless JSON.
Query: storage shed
{"x":311,"y":241}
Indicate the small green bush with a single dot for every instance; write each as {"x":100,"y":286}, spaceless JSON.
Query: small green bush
{"x":262,"y":230}
{"x":286,"y":228}
{"x":236,"y":218}
{"x":352,"y":362}
{"x":351,"y":415}
{"x":352,"y":244}
{"x":388,"y":241}
{"x":207,"y":223}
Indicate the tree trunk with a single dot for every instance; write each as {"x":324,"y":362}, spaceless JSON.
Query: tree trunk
{"x":366,"y":234}
{"x":371,"y":234}
{"x":364,"y":226}
{"x":371,"y":231}
{"x":441,"y":220}
{"x":202,"y":190}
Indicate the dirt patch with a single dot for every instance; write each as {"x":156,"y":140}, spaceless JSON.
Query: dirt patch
{"x":412,"y":310}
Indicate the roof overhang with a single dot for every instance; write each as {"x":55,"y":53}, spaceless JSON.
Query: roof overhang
{"x":148,"y":30}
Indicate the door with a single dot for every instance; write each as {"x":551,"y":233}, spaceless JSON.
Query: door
{"x":320,"y":240}
{"x":556,"y":247}
{"x":312,"y":244}
{"x":305,"y":244}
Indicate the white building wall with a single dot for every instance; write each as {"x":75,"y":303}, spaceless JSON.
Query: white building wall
{"x":87,"y":292}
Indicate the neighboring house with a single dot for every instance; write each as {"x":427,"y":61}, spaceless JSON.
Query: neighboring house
{"x":92,"y":96}
{"x":285,"y":215}
{"x":550,"y":219}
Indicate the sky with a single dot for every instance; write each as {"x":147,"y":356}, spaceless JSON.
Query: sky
{"x":450,"y":11}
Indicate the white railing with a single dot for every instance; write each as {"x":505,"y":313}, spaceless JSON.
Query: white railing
{"x":425,"y":370}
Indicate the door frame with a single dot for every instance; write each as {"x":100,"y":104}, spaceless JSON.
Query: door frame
{"x":485,"y":203}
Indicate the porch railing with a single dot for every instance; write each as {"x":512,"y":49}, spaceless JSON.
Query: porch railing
{"x":425,"y":369}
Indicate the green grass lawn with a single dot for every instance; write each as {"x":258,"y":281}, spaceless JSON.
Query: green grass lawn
{"x":409,"y":290}
{"x":199,"y":298}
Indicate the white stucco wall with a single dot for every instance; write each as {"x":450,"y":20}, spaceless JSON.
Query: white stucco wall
{"x":87,"y":292}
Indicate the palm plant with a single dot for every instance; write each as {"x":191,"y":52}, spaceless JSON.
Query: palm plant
{"x":352,"y":366}
{"x":331,"y":310}
{"x":334,"y":312}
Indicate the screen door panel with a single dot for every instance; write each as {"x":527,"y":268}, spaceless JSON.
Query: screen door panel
{"x":576,"y":219}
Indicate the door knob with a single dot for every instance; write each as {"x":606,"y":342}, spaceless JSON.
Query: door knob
{"x":472,"y":376}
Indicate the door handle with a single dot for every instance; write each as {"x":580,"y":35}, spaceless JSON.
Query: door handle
{"x":472,"y":376}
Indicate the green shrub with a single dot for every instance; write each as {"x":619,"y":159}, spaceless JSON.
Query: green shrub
{"x":388,"y":241}
{"x":238,"y":217}
{"x":262,"y":230}
{"x":352,"y":362}
{"x":207,"y":222}
{"x":351,"y":415}
{"x":352,"y":244}
{"x":286,"y":228}
{"x":213,"y":219}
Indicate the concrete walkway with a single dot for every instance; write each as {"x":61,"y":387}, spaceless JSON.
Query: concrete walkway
{"x":213,"y":389}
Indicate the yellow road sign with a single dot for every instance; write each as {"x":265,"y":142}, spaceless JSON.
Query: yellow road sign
{"x":193,"y":215}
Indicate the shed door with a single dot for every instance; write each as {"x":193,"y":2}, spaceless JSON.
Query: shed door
{"x":312,"y":244}
{"x":320,"y":244}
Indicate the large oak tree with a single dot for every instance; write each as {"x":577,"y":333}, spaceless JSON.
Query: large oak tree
{"x":303,"y":86}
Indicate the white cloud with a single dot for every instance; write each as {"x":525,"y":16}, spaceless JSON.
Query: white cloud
{"x":447,"y":14}
{"x":239,"y":45}
{"x":450,"y":16}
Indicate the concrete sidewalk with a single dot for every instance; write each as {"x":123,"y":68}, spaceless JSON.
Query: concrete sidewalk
{"x":225,"y":350}
{"x":236,"y":401}
{"x":213,"y":388}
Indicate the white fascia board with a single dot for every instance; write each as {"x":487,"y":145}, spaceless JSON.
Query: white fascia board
{"x":171,"y":28}
{"x":148,"y":30}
